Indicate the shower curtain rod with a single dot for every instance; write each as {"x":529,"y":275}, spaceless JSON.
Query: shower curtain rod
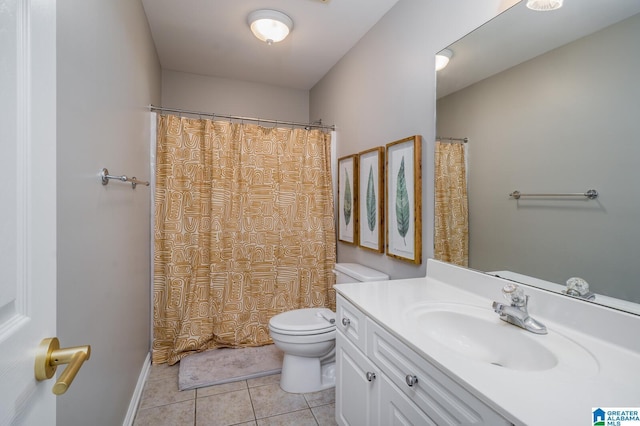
{"x":463,"y":140}
{"x":315,"y":125}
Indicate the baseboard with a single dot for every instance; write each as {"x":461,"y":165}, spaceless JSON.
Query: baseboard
{"x":137,"y":393}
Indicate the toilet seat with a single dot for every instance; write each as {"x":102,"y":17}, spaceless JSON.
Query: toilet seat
{"x":300,"y":322}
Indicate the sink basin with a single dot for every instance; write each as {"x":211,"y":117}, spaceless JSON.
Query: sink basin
{"x":479,"y":334}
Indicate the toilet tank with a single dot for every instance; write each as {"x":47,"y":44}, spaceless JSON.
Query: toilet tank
{"x":354,"y":272}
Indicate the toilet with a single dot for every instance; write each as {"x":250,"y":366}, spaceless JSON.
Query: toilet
{"x":308,"y":337}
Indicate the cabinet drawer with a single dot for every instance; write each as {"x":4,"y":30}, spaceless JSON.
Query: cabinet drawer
{"x":351,"y":322}
{"x":444,"y":401}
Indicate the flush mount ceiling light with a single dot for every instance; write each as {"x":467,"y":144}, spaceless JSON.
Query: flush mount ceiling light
{"x":442,"y":58}
{"x":269,"y":25}
{"x":544,"y":5}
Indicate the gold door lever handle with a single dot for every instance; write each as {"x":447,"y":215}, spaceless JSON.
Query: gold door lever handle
{"x":49,"y":356}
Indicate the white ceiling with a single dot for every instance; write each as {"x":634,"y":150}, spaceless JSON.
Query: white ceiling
{"x":212,"y":37}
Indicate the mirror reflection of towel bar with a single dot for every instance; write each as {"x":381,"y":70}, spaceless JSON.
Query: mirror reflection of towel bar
{"x":591,"y":194}
{"x":105,"y":177}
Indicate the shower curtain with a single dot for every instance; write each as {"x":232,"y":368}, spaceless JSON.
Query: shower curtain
{"x":451,"y":207}
{"x":244,"y":230}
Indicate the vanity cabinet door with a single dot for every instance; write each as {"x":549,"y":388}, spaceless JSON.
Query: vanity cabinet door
{"x":395,"y":408}
{"x":356,"y":388}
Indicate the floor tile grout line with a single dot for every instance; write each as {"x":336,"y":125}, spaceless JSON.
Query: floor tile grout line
{"x":288,"y":412}
{"x":253,"y":408}
{"x":163,"y":405}
{"x":195,"y":407}
{"x":314,"y":417}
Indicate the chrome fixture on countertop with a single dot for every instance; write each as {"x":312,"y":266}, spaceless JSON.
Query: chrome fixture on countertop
{"x":516,"y":313}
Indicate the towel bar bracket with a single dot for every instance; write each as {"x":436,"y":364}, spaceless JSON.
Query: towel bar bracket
{"x":105,"y":177}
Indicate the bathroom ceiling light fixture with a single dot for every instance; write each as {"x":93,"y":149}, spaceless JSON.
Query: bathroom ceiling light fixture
{"x":269,"y":25}
{"x":544,"y":5}
{"x":442,"y":58}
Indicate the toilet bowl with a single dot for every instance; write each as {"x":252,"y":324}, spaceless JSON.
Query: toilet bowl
{"x":308,"y":336}
{"x":308,"y":341}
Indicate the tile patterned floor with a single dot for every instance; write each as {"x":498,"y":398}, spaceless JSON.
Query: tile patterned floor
{"x":257,"y":402}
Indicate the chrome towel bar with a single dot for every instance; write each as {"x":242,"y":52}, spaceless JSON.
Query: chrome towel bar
{"x":105,"y":177}
{"x":591,"y":194}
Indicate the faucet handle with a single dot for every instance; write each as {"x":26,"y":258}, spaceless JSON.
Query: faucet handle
{"x":577,"y":286}
{"x":514,"y":294}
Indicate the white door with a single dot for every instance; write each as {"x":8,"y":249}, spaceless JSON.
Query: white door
{"x":27,"y":206}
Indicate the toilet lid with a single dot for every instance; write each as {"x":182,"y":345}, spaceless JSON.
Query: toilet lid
{"x":311,"y":320}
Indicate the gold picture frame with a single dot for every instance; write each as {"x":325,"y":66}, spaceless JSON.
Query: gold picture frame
{"x":348,"y":199}
{"x":371,"y":199}
{"x":403,"y":195}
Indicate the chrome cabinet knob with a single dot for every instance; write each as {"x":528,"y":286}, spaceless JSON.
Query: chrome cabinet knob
{"x":346,"y":321}
{"x":370,"y":376}
{"x":411,"y":380}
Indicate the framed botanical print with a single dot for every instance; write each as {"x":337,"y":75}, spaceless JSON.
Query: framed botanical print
{"x":403,"y":188}
{"x":348,"y":199}
{"x":371,"y":199}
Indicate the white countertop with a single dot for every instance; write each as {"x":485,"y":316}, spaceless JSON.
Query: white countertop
{"x":563,"y":395}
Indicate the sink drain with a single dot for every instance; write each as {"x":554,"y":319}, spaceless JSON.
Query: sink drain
{"x":497,"y":363}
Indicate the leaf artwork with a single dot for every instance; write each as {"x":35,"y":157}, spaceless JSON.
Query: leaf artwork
{"x":371,"y":202}
{"x":347,"y":199}
{"x":402,"y":203}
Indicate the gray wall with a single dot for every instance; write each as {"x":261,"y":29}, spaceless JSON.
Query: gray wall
{"x":566,"y":121}
{"x":107,"y":73}
{"x":224,"y":96}
{"x":384,"y":90}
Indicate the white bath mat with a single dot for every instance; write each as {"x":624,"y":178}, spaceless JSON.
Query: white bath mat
{"x":227,"y":365}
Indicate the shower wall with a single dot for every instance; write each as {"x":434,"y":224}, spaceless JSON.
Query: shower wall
{"x":233,"y":97}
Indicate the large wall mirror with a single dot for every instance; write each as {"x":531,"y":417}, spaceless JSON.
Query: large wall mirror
{"x":550,"y":102}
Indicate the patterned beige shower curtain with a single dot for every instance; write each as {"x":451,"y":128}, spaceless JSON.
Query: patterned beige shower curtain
{"x":451,"y":207}
{"x":244,"y":230}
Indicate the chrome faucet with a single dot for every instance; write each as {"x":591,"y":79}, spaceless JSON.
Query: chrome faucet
{"x":516,"y":313}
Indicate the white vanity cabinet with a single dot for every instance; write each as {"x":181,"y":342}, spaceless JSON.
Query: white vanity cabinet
{"x":381,"y":381}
